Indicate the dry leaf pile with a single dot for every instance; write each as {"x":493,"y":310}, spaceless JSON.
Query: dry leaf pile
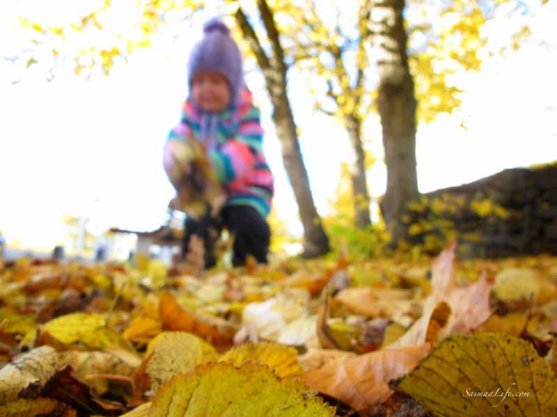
{"x":302,"y":338}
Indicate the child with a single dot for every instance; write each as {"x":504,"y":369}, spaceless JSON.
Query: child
{"x":214,"y":155}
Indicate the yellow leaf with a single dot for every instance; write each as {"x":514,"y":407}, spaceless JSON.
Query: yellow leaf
{"x":87,"y":329}
{"x":486,"y":374}
{"x":140,"y":411}
{"x":249,"y":391}
{"x":141,"y":327}
{"x":281,"y":359}
{"x":33,"y":368}
{"x":22,"y":324}
{"x":30,"y":408}
{"x":362,"y":381}
{"x":512,"y":324}
{"x":515,"y":284}
{"x":173,"y":352}
{"x":157,"y":272}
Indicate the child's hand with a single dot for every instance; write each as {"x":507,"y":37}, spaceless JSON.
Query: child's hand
{"x":217,"y":204}
{"x":176,"y":160}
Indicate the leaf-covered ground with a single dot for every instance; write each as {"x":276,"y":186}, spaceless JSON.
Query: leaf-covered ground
{"x":387,"y":337}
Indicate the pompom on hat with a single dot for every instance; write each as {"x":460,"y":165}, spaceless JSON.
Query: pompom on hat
{"x":217,"y":52}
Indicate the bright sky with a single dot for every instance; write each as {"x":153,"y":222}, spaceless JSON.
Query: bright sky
{"x":93,"y":149}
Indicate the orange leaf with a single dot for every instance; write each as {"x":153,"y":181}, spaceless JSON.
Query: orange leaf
{"x":142,"y":326}
{"x":214,"y":330}
{"x":172,"y":316}
{"x":362,"y":382}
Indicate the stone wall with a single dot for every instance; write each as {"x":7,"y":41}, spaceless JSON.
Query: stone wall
{"x":511,"y":213}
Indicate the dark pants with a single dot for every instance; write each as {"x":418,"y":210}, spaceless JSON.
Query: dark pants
{"x":250,"y":232}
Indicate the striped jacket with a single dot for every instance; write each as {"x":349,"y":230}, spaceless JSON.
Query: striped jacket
{"x":235,"y":150}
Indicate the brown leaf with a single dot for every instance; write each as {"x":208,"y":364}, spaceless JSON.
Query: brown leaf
{"x":88,"y":365}
{"x":468,"y":306}
{"x":376,"y":302}
{"x":324,"y":333}
{"x":64,"y":387}
{"x":362,"y":381}
{"x":438,"y":320}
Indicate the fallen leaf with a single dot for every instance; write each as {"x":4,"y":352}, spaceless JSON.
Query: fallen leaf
{"x":31,"y":408}
{"x":437,"y":321}
{"x":66,"y":388}
{"x":46,"y":277}
{"x":268,"y":318}
{"x":362,"y":381}
{"x":325,"y":334}
{"x":486,"y":374}
{"x":516,"y":284}
{"x":172,"y":316}
{"x":142,"y":327}
{"x":299,"y":332}
{"x":140,"y":411}
{"x":88,"y":364}
{"x":29,"y":371}
{"x":173,"y":352}
{"x":511,"y":324}
{"x":220,"y":389}
{"x":215,"y":330}
{"x":317,"y":358}
{"x":23,"y":325}
{"x":281,"y":359}
{"x":468,"y":305}
{"x":377,"y":302}
{"x":87,"y":329}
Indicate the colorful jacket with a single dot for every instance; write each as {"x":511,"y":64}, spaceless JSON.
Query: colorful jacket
{"x":234,"y":140}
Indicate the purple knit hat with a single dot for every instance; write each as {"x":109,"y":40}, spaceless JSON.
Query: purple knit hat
{"x":218,"y":52}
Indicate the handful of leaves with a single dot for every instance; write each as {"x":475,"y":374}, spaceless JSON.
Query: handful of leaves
{"x":198,"y":191}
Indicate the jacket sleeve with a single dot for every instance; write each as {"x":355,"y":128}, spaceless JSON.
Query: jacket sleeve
{"x":237,"y":157}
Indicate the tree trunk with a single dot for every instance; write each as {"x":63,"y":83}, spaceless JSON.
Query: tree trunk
{"x":274,"y":69}
{"x":316,"y":242}
{"x":358,"y":174}
{"x":397,"y":108}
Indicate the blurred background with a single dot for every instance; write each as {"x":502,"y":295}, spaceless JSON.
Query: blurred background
{"x":90,"y":89}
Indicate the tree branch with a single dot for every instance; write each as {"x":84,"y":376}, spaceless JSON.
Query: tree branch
{"x":253,"y":41}
{"x":277,"y":61}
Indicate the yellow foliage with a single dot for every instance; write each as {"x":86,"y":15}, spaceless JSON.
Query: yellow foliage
{"x":515,"y":284}
{"x":142,"y":326}
{"x":482,"y":208}
{"x":87,"y":329}
{"x":171,"y":353}
{"x":21,"y":324}
{"x":486,"y":374}
{"x":249,"y":391}
{"x":30,"y":408}
{"x":281,"y":359}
